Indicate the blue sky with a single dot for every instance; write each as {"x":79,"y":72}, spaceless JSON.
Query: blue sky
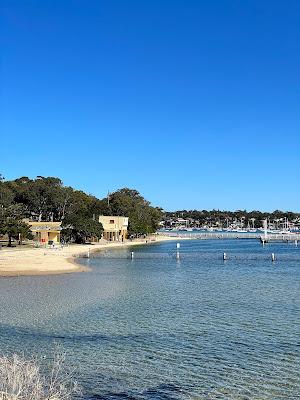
{"x":193,"y":103}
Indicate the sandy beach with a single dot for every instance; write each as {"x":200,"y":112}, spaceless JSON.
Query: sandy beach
{"x":59,"y":260}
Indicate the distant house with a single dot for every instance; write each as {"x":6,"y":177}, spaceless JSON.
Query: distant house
{"x":44,"y":232}
{"x":115,"y":227}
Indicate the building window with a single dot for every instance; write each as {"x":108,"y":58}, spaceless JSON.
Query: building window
{"x":112,"y":221}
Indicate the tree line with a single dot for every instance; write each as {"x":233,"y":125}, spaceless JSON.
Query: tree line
{"x":222,"y":218}
{"x":48,"y":199}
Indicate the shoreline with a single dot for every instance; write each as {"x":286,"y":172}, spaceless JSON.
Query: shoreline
{"x":55,"y":261}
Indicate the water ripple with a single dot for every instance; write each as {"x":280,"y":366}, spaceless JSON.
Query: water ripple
{"x":159,"y":328}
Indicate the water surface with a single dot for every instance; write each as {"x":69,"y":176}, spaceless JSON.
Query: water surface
{"x":155,"y":327}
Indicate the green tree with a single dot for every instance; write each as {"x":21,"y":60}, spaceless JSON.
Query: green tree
{"x":6,"y":195}
{"x":79,"y":229}
{"x":12,"y":225}
{"x":143,"y":218}
{"x":41,"y":196}
{"x":15,"y":229}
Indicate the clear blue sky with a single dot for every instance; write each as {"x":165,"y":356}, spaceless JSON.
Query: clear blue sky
{"x":196,"y":104}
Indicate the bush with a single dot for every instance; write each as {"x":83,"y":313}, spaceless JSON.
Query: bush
{"x":23,"y":379}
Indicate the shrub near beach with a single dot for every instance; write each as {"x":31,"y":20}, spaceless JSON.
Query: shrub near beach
{"x":23,"y":379}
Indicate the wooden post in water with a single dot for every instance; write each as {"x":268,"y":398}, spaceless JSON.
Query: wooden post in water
{"x":273,"y":257}
{"x":178,"y":254}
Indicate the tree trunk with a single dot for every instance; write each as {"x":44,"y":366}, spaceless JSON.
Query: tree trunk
{"x":9,"y":240}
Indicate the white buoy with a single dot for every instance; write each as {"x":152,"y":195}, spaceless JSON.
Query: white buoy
{"x":132,"y":255}
{"x":273,"y":257}
{"x":224,"y":256}
{"x":178,"y":245}
{"x":296,"y":243}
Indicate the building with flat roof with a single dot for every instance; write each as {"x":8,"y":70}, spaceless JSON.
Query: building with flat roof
{"x":115,"y":227}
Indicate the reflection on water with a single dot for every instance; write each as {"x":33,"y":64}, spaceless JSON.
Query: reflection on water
{"x":161,"y":328}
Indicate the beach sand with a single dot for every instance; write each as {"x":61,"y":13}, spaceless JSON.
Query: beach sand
{"x":59,"y":260}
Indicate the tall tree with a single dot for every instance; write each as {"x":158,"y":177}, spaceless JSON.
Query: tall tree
{"x":79,"y":229}
{"x":12,"y":224}
{"x":143,"y":218}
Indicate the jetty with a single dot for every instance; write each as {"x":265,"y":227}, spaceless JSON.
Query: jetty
{"x":280,"y":238}
{"x":270,"y":237}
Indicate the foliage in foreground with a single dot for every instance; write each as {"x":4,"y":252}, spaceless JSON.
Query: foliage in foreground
{"x":23,"y":379}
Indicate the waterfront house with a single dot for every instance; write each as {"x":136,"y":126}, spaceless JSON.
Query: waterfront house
{"x":115,"y":227}
{"x":45,"y":232}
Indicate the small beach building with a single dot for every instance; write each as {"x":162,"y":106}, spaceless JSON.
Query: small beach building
{"x":44,"y":232}
{"x":115,"y":227}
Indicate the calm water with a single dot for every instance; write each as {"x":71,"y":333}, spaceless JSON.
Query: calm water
{"x":159,"y":328}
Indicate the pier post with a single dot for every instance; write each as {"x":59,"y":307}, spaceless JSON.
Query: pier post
{"x":132,"y":255}
{"x":224,"y":256}
{"x":296,"y":243}
{"x":177,"y":254}
{"x":273,"y":257}
{"x":88,"y":253}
